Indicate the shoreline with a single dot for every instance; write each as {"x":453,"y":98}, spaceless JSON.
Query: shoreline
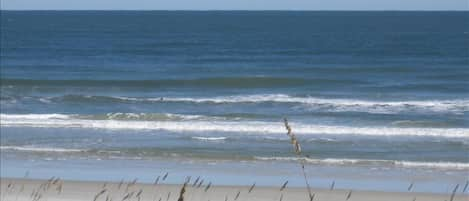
{"x":69,"y":190}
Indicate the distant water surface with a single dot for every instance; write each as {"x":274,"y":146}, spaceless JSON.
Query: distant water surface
{"x":205,"y":93}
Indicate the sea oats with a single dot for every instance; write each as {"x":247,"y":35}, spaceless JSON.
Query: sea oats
{"x":465,"y":187}
{"x":120,"y":184}
{"x":169,"y":195}
{"x":349,"y":195}
{"x":252,"y":187}
{"x":297,"y":149}
{"x":183,"y":190}
{"x":410,"y":186}
{"x":99,"y":194}
{"x":208,"y":186}
{"x":196,"y":181}
{"x":454,"y":192}
{"x":284,"y":186}
{"x":157,"y":180}
{"x":200,"y":184}
{"x":237,"y":195}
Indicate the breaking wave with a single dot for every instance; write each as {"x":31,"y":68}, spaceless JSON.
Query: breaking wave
{"x":371,"y":162}
{"x":311,"y":103}
{"x":40,"y":149}
{"x":191,"y":125}
{"x":209,"y":138}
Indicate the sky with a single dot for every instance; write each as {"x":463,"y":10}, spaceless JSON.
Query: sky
{"x":234,"y":4}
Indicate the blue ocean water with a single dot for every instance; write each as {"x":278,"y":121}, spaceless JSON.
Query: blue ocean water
{"x":205,"y":93}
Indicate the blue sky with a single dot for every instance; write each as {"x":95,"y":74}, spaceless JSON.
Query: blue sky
{"x":235,"y":4}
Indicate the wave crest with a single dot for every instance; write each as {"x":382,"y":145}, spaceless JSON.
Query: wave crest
{"x":40,"y":149}
{"x":245,"y":127}
{"x":309,"y":103}
{"x":209,"y":138}
{"x":371,"y":162}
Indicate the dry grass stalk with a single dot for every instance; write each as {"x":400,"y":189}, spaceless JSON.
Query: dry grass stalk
{"x":200,"y":184}
{"x":165,"y":176}
{"x":59,"y":187}
{"x":156,"y":183}
{"x":237,"y":195}
{"x":297,"y":147}
{"x":130,"y":184}
{"x":10,"y":188}
{"x":6,"y":193}
{"x":208,"y":186}
{"x":128,"y":196}
{"x":156,"y":180}
{"x":252,"y":187}
{"x":465,"y":187}
{"x":99,"y":194}
{"x":454,"y":192}
{"x":196,"y":181}
{"x":133,"y":182}
{"x":349,"y":195}
{"x":32,"y":193}
{"x":56,"y":180}
{"x":169,"y":195}
{"x":51,"y":180}
{"x":284,"y":185}
{"x":294,"y":141}
{"x":332,"y":185}
{"x":281,"y":197}
{"x":120,"y":184}
{"x":39,"y":196}
{"x":410,"y":186}
{"x":139,"y":194}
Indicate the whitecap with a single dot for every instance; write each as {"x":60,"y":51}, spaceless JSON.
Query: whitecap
{"x":371,"y":162}
{"x":244,"y":127}
{"x":209,"y":138}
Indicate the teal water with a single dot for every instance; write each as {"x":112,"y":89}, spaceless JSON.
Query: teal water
{"x":205,"y":93}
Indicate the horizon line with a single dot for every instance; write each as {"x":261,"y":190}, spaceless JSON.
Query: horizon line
{"x":247,"y":10}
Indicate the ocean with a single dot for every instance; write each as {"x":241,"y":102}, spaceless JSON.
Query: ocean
{"x":378,"y":100}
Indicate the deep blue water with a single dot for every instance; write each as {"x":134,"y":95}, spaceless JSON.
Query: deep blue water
{"x":381,"y":91}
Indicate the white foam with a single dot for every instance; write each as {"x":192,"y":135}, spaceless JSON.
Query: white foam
{"x":370,"y":162}
{"x":443,"y":165}
{"x":457,"y":106}
{"x":224,"y":126}
{"x":209,"y":138}
{"x":39,"y":149}
{"x":336,"y":104}
{"x":45,"y":100}
{"x":33,"y":116}
{"x":322,"y":139}
{"x":136,"y":116}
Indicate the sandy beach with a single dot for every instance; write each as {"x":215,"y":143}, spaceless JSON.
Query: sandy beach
{"x":56,"y":189}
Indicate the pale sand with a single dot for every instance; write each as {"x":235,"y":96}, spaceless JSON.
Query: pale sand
{"x":23,"y":189}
